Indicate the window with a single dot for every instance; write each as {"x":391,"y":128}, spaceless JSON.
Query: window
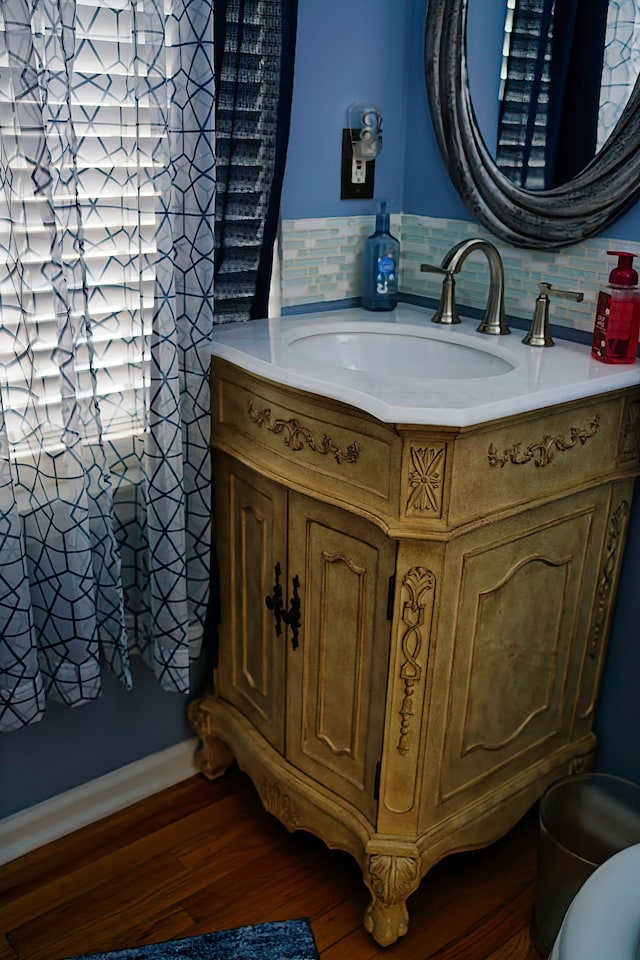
{"x":78,"y":220}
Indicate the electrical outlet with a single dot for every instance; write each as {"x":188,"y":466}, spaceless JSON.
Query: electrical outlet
{"x":358,"y":171}
{"x":356,"y":176}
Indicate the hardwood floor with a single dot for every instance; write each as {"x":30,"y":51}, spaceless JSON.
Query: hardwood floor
{"x":204,"y":856}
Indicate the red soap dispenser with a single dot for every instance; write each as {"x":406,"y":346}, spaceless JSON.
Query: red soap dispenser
{"x":617,"y":324}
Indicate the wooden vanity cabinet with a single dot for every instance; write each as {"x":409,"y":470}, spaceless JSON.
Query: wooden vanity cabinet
{"x":413,"y":618}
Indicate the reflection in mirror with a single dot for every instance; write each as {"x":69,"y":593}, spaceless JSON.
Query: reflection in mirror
{"x":565,"y":78}
{"x":621,"y":64}
{"x":563,"y":200}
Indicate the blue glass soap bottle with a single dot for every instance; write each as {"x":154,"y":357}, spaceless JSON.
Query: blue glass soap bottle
{"x":381,"y":265}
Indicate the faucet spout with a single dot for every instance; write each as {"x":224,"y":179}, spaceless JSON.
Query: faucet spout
{"x":493,"y":321}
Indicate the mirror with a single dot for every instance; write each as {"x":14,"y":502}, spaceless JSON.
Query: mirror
{"x":539,"y":219}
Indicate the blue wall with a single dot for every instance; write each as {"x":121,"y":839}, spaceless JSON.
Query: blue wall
{"x":363,"y":50}
{"x":71,"y":746}
{"x":346,"y":52}
{"x":618,"y":714}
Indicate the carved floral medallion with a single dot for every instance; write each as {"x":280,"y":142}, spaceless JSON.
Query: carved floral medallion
{"x":426,"y":473}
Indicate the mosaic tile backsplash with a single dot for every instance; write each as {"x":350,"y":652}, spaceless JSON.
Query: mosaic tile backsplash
{"x":321,"y":261}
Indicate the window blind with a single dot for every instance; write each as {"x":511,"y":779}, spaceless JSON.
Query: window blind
{"x":78,"y":211}
{"x":524,"y":95}
{"x":254,"y":53}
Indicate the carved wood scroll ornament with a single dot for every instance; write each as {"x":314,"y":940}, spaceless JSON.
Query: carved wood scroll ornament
{"x":605,"y":585}
{"x":542,"y":451}
{"x":296,"y":437}
{"x":416,"y":587}
{"x":630,"y":439}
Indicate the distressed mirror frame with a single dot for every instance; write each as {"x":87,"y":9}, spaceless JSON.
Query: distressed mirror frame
{"x":544,"y":220}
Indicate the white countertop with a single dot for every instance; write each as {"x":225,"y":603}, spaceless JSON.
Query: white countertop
{"x":535,"y":378}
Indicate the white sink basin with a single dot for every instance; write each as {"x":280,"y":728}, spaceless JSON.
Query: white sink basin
{"x":399,"y":353}
{"x":401,"y":368}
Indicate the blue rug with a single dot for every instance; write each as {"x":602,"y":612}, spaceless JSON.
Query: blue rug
{"x":283,"y":940}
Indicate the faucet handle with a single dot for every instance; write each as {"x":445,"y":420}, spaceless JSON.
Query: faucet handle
{"x":428,"y":268}
{"x":566,"y":294}
{"x":538,"y":335}
{"x":446,"y":312}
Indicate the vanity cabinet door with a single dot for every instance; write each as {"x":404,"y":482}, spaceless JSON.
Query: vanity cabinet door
{"x":516,"y":608}
{"x":336,"y":678}
{"x":250,"y":524}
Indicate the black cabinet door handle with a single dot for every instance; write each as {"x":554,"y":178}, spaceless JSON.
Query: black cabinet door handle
{"x":292,"y":616}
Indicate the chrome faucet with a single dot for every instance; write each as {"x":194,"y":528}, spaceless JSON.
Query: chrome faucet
{"x":493,"y":321}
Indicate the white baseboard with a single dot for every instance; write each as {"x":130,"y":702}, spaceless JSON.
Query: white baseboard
{"x":32,"y":828}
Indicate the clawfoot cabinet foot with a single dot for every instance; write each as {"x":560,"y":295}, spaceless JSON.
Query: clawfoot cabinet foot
{"x":391,"y":881}
{"x":212,"y":757}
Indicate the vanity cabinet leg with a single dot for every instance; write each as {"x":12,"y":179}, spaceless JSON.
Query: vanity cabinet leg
{"x":391,"y":880}
{"x":213,"y":756}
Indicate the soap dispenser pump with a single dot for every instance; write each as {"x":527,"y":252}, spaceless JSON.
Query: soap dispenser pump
{"x":381,"y":265}
{"x":617,"y":323}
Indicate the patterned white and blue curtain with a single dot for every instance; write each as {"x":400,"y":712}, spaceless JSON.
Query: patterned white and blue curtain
{"x":107,"y":191}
